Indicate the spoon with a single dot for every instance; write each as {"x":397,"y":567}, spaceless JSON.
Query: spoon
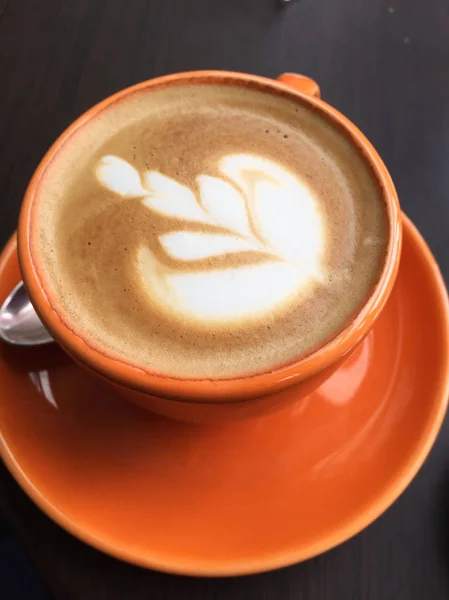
{"x":19,"y":323}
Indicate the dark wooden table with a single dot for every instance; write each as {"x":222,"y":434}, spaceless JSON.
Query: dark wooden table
{"x":385,"y":64}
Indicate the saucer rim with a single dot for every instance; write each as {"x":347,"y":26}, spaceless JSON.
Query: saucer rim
{"x":275,"y":560}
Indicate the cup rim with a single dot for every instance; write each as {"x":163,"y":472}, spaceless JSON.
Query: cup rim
{"x":206,"y":389}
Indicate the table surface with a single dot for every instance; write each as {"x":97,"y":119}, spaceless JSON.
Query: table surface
{"x":383,"y":63}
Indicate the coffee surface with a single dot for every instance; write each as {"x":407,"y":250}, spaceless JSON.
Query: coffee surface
{"x":209,"y":231}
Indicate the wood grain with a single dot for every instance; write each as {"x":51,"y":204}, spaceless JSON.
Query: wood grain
{"x":385,"y":64}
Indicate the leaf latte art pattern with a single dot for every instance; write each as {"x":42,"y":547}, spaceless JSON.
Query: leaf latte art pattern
{"x":256,"y":207}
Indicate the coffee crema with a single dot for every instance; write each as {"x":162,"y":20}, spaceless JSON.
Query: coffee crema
{"x":209,"y":231}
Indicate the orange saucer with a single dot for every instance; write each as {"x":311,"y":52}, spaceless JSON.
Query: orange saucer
{"x":245,"y":497}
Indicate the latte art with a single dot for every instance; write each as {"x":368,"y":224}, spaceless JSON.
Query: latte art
{"x":208,"y":231}
{"x":257,"y":206}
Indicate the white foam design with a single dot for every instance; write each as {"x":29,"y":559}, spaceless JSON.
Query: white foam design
{"x":258,"y":206}
{"x":220,"y":295}
{"x":194,"y":245}
{"x":168,"y":197}
{"x":224,"y":203}
{"x":119,"y":176}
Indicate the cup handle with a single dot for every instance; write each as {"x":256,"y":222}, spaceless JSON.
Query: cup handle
{"x":299,"y":83}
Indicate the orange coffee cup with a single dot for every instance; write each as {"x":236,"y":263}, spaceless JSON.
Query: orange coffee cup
{"x":202,"y":400}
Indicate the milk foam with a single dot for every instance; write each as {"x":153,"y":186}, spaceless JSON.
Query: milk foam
{"x":208,"y":231}
{"x":258,"y":207}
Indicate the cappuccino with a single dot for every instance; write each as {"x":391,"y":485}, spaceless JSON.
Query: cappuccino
{"x":209,"y":231}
